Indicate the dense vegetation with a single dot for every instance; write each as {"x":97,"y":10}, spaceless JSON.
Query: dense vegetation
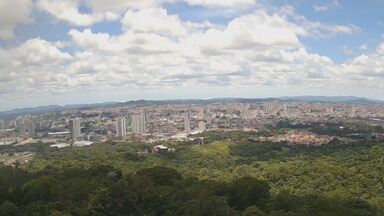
{"x":336,"y":129}
{"x":103,"y":190}
{"x":228,"y":175}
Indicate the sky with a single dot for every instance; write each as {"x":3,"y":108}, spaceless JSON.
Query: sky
{"x":89,"y":51}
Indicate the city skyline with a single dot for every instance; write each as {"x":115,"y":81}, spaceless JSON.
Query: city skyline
{"x":302,"y":98}
{"x":176,"y":121}
{"x":82,"y":51}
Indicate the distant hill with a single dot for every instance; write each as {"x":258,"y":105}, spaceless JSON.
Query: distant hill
{"x":320,"y":99}
{"x":334,"y":99}
{"x":52,"y":108}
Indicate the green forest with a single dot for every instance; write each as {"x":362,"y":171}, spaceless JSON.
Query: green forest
{"x":229,"y":174}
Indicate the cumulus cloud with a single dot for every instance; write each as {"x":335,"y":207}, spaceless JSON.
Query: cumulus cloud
{"x":133,"y":43}
{"x":249,"y":50}
{"x":158,"y":50}
{"x":253,"y":49}
{"x":153,"y":20}
{"x":366,"y":67}
{"x":221,"y":3}
{"x":69,"y":11}
{"x":34,"y":66}
{"x":251,"y":31}
{"x":12,"y":14}
{"x":108,"y":10}
{"x":37,"y":51}
{"x":120,"y":6}
{"x":99,"y":10}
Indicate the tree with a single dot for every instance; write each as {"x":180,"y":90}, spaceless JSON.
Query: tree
{"x":100,"y":204}
{"x":253,"y":211}
{"x":247,"y":191}
{"x":286,"y":201}
{"x":160,"y":175}
{"x":209,"y":206}
{"x":46,"y":189}
{"x":9,"y":209}
{"x":40,"y":209}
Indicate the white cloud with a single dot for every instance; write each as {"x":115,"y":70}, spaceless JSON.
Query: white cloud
{"x":363,"y":47}
{"x":100,"y":10}
{"x":258,"y":30}
{"x":158,"y":50}
{"x":12,"y":14}
{"x":37,"y":51}
{"x":68,"y":11}
{"x":120,"y":6}
{"x":250,"y":50}
{"x":326,"y":7}
{"x":367,"y":68}
{"x":317,"y":29}
{"x":347,"y":50}
{"x":132,"y":43}
{"x":34,"y":67}
{"x":261,"y":28}
{"x":153,"y":20}
{"x":221,"y":3}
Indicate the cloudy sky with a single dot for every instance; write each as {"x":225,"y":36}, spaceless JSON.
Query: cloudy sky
{"x":84,"y":51}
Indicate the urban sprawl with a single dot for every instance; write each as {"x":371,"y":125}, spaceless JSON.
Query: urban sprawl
{"x":151,"y":122}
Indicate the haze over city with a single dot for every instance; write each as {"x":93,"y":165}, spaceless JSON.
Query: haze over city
{"x":83,"y":51}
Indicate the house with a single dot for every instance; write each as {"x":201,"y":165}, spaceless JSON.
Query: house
{"x":162,"y":149}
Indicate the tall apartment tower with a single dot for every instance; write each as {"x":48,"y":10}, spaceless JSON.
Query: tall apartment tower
{"x":121,"y":127}
{"x":2,"y":124}
{"x":202,"y":126}
{"x":30,"y":127}
{"x":26,"y":126}
{"x":187,"y":126}
{"x":138,"y":124}
{"x":201,"y":113}
{"x":74,"y":125}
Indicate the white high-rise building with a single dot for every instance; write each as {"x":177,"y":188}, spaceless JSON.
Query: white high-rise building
{"x":353,"y":112}
{"x":138,"y":124}
{"x":74,"y":125}
{"x":26,"y":126}
{"x":244,"y":110}
{"x":2,"y":124}
{"x":30,"y":127}
{"x":201,"y":126}
{"x":187,"y":127}
{"x":121,"y":127}
{"x":201,"y":112}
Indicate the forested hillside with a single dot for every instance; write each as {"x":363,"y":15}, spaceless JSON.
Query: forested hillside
{"x":227,"y":175}
{"x":103,"y":190}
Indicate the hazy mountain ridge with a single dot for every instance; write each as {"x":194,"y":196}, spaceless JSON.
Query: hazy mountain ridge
{"x":52,"y":108}
{"x":334,"y":99}
{"x":320,"y":99}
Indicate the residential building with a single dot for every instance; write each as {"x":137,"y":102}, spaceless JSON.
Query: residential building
{"x":187,"y":127}
{"x":121,"y":127}
{"x":202,"y":126}
{"x":75,"y":129}
{"x":138,"y":124}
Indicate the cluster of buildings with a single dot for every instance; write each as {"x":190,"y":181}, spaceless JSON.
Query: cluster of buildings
{"x":296,"y":137}
{"x":175,"y":121}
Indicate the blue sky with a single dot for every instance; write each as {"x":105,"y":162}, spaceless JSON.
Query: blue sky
{"x":82,"y":51}
{"x":367,"y":15}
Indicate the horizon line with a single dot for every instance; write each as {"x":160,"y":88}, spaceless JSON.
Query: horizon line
{"x":176,"y":99}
